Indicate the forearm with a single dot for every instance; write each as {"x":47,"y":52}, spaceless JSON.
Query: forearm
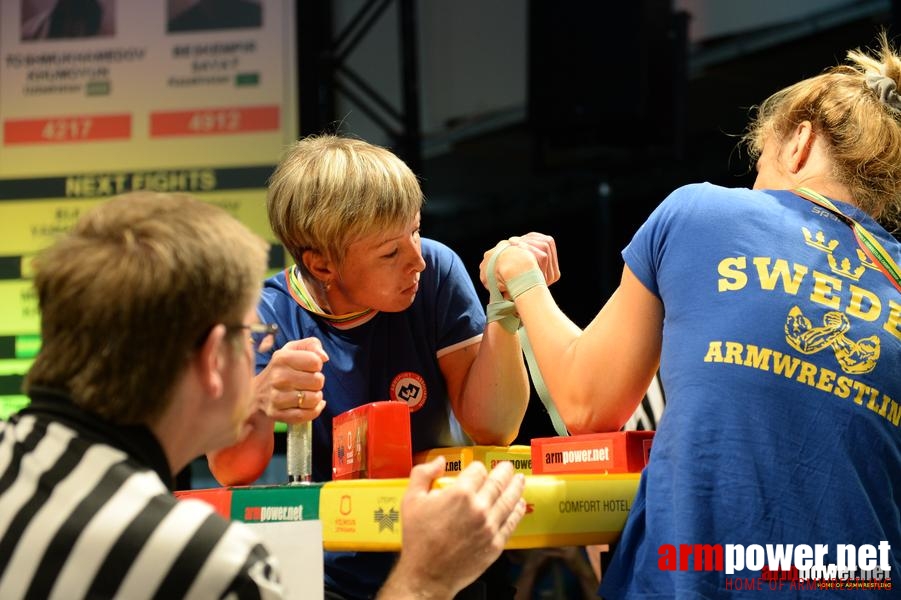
{"x":405,"y":584}
{"x":596,"y":376}
{"x":496,"y":390}
{"x":554,"y":340}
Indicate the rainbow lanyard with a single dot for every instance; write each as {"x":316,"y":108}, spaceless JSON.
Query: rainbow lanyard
{"x":867,"y":242}
{"x":305,"y":300}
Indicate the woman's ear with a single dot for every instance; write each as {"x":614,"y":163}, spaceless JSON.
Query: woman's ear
{"x":800,"y":145}
{"x":318,"y":265}
{"x":209,"y":363}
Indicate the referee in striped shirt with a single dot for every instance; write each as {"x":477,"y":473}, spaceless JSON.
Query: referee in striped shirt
{"x":144,"y":366}
{"x":148,"y":331}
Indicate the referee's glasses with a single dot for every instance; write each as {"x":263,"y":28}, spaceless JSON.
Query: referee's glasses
{"x":261,"y":334}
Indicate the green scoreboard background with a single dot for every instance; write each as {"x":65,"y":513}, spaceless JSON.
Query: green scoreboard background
{"x":133,"y":107}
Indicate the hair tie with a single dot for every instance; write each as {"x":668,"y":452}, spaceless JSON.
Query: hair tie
{"x":886,"y":88}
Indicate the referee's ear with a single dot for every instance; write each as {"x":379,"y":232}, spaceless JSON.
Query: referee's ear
{"x":208,"y":363}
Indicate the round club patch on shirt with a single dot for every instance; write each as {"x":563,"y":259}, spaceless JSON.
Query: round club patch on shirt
{"x":410,"y":388}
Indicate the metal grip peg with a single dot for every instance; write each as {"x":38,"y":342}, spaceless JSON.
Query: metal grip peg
{"x":299,"y":453}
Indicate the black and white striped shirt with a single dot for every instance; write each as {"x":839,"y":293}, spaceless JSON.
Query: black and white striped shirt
{"x":85,"y":513}
{"x":648,"y":414}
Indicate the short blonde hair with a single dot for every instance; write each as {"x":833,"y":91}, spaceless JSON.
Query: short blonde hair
{"x":863,"y":132}
{"x":328,"y":191}
{"x":128,"y":295}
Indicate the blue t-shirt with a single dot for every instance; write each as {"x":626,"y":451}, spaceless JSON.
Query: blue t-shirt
{"x":392,"y":356}
{"x":781,"y":362}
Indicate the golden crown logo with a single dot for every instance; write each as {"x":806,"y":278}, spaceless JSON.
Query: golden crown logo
{"x":865,"y":260}
{"x":845,"y":268}
{"x":842,"y":267}
{"x":819,"y":241}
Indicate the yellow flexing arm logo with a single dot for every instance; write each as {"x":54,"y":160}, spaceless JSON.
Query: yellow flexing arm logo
{"x":853,"y":357}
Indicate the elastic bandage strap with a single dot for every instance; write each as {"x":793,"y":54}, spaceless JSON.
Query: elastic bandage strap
{"x":499,"y":309}
{"x":505,"y":312}
{"x":524,"y":282}
{"x":502,"y":310}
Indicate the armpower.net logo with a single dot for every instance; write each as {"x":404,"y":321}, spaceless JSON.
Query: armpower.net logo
{"x":785,"y":566}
